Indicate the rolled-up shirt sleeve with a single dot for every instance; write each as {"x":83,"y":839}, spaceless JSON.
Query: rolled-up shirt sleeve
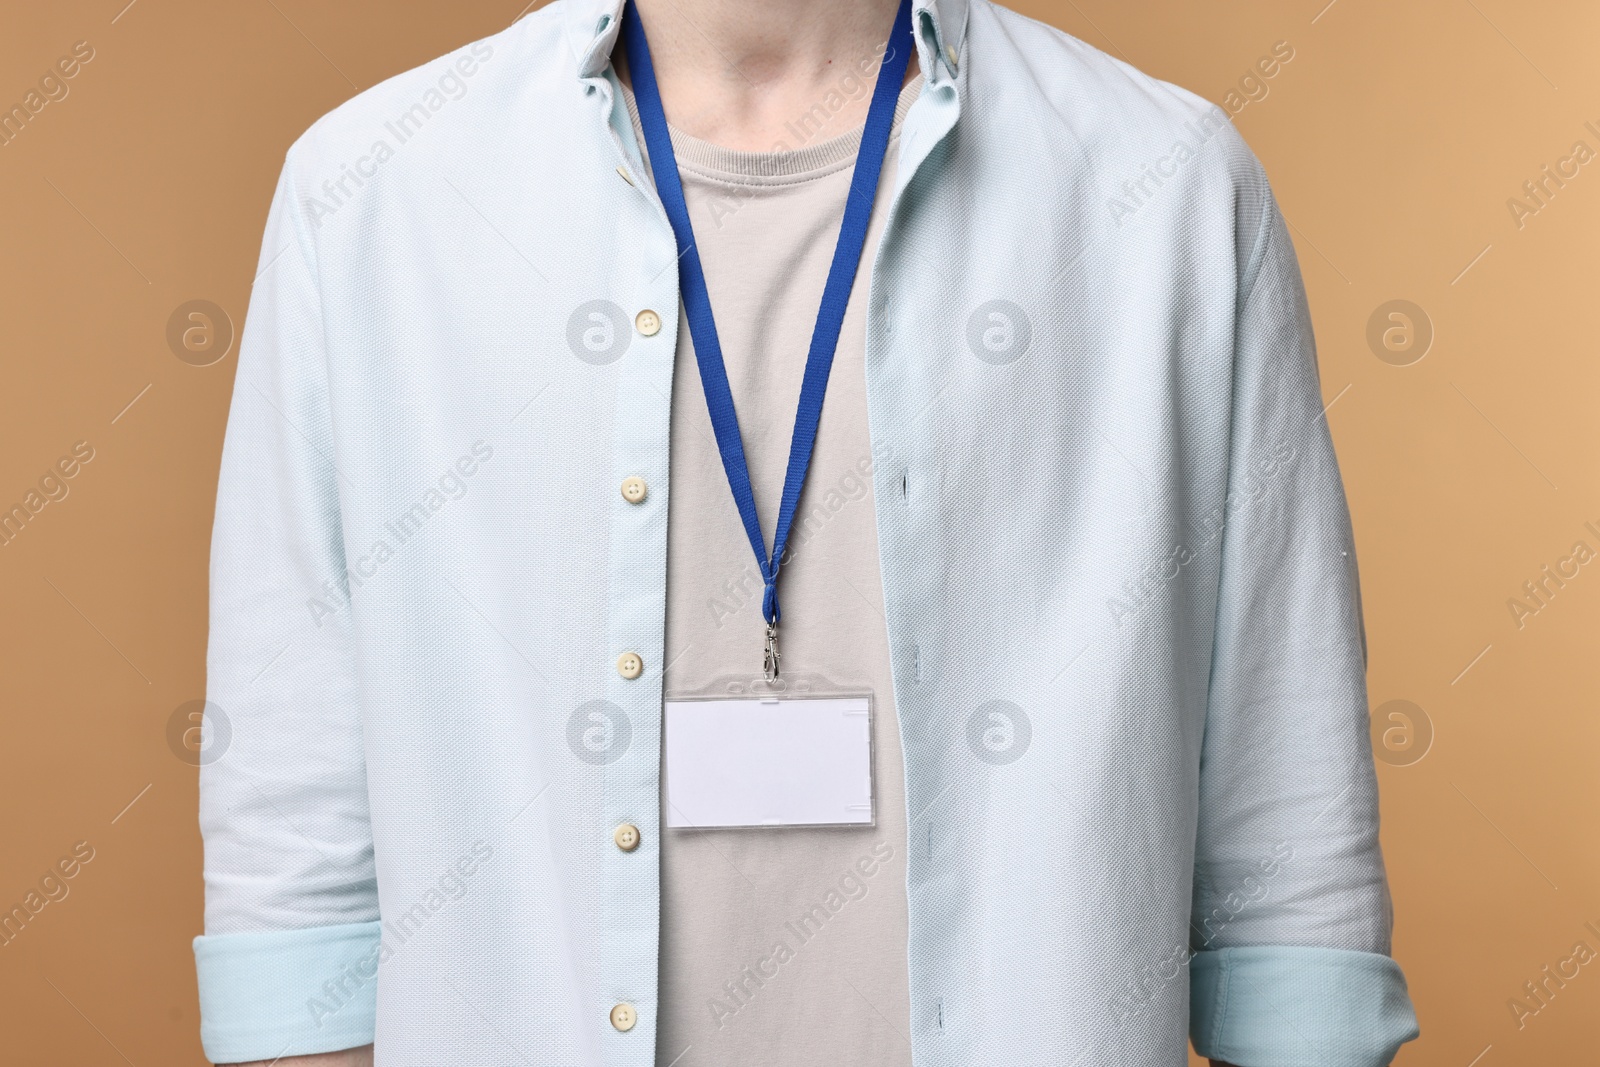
{"x":1290,"y":928}
{"x":287,"y":964}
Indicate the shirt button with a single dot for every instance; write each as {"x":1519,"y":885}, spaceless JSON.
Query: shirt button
{"x":634,"y":489}
{"x":623,"y":1017}
{"x":647,"y":322}
{"x":629,"y":665}
{"x":626,"y":836}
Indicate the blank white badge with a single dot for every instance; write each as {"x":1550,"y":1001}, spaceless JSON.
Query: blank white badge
{"x":769,"y":762}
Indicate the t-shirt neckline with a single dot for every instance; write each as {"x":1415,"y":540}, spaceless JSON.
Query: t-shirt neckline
{"x":785,"y":164}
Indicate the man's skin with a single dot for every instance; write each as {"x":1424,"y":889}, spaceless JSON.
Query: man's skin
{"x":734,"y":73}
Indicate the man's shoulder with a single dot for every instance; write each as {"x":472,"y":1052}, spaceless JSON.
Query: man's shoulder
{"x":470,"y":78}
{"x":1104,"y":103}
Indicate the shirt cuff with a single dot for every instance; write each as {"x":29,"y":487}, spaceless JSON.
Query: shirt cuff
{"x":268,"y":994}
{"x":1283,"y":1006}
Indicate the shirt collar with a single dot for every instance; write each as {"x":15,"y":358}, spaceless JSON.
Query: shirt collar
{"x":940,"y":25}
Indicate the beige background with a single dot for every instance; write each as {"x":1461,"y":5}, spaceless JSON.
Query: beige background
{"x":1394,"y":138}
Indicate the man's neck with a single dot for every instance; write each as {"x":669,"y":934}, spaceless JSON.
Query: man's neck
{"x":756,"y":75}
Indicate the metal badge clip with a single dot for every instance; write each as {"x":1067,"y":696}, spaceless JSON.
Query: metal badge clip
{"x":769,"y":661}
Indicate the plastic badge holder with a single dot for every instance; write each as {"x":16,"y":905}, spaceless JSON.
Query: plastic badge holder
{"x":744,"y":754}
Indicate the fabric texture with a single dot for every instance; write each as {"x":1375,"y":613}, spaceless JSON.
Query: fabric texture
{"x":258,"y":978}
{"x":786,"y":946}
{"x":1118,"y":578}
{"x":1242,"y":1015}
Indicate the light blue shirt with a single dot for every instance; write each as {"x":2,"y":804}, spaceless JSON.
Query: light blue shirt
{"x":1118,"y":575}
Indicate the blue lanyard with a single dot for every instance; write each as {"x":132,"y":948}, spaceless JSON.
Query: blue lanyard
{"x":830,"y":317}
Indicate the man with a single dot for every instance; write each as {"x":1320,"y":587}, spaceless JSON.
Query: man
{"x":1053,"y":749}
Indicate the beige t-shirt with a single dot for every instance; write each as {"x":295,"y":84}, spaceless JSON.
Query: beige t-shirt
{"x":781,"y":947}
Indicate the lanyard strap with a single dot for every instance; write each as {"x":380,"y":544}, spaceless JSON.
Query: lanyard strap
{"x":835,"y":296}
